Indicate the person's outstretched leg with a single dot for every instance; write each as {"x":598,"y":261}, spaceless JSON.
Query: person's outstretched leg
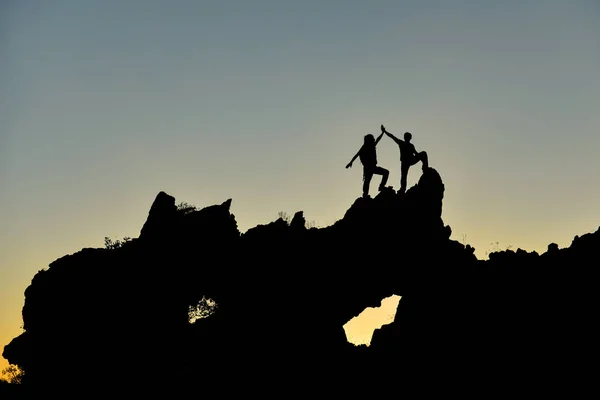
{"x":384,"y":176}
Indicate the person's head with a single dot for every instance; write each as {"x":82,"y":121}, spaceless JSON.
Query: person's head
{"x":369,"y":139}
{"x":407,"y":136}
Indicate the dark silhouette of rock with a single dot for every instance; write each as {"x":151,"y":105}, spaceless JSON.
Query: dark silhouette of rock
{"x":161,"y":216}
{"x":273,"y":302}
{"x":298,"y":221}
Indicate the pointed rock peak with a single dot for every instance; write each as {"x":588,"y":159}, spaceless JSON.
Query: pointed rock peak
{"x":161,"y":214}
{"x":226,"y":204}
{"x":163,"y":202}
{"x":298,"y":221}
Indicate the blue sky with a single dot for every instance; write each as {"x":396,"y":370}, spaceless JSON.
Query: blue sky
{"x":105,"y":103}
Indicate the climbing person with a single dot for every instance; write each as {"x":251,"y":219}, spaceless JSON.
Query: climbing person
{"x":408,"y":156}
{"x":368,"y":158}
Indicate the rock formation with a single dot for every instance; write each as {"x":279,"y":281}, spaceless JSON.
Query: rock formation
{"x":120,"y":318}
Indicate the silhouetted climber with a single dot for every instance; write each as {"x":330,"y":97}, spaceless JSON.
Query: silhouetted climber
{"x":368,"y":158}
{"x":408,"y":156}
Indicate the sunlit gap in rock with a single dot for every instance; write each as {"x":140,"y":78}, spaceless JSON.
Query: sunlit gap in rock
{"x":203,"y":309}
{"x":359,"y":330}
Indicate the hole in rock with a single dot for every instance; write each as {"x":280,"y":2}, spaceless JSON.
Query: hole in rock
{"x":359,"y":330}
{"x":203,"y":309}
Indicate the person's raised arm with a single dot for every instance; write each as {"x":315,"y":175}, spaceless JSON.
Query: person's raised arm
{"x":353,"y":158}
{"x":394,"y":138}
{"x":378,"y":138}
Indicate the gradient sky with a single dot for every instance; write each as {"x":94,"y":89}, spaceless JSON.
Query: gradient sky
{"x":104,"y":103}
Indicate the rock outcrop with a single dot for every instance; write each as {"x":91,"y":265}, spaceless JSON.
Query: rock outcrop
{"x":111,"y":318}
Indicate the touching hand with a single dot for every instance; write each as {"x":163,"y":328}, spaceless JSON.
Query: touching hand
{"x":382,"y":129}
